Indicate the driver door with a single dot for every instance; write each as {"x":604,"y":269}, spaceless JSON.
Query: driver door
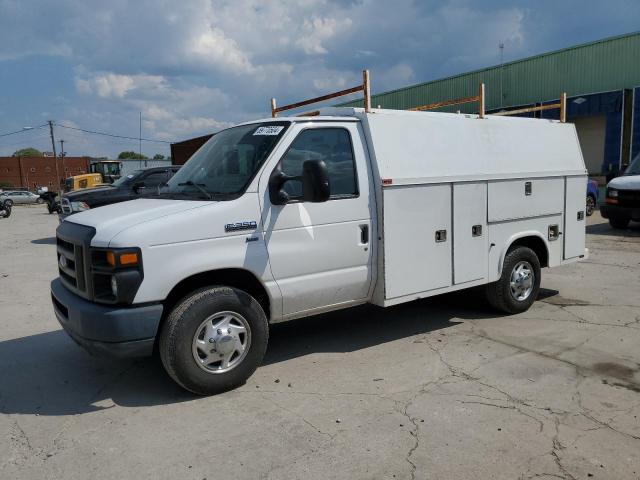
{"x":320,"y":253}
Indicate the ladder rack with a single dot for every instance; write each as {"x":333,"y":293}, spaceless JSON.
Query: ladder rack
{"x":360,"y":88}
{"x":562,"y":105}
{"x":457,"y":101}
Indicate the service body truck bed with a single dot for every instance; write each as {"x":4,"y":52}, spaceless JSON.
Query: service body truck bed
{"x":282,"y":218}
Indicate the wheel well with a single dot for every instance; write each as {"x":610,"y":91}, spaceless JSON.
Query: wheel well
{"x":536,"y":244}
{"x":229,"y":277}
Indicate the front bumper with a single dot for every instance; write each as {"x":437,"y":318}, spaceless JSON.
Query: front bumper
{"x":616,"y":211}
{"x":105,"y":330}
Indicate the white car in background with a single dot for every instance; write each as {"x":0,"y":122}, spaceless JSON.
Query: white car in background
{"x":21,"y":197}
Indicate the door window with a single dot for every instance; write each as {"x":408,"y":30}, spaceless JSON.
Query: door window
{"x":156,"y":178}
{"x":333,"y":145}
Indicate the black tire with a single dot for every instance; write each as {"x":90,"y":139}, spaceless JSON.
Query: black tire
{"x":178,"y":332}
{"x":7,"y":212}
{"x":40,"y":201}
{"x":619,"y":223}
{"x":591,"y":205}
{"x":499,"y":294}
{"x":9,"y":202}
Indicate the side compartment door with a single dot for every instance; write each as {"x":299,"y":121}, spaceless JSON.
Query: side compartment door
{"x":470,"y":251}
{"x":574,"y":216}
{"x":417,"y":239}
{"x":320,"y":253}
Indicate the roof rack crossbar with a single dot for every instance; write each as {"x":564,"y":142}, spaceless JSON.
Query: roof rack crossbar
{"x":360,"y":88}
{"x":457,"y":101}
{"x":562,"y":105}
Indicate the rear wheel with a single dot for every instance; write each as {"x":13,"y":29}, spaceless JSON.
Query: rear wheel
{"x":591,"y":205}
{"x":518,"y":286}
{"x":40,"y":200}
{"x":619,"y":222}
{"x":213,"y":340}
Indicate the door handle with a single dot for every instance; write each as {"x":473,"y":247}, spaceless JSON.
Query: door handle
{"x":364,"y":234}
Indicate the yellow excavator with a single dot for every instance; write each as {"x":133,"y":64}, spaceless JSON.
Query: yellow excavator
{"x":102,"y":172}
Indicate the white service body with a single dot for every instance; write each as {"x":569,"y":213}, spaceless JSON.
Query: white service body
{"x":481,"y":183}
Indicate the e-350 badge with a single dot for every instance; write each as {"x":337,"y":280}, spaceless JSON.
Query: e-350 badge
{"x":234,"y":227}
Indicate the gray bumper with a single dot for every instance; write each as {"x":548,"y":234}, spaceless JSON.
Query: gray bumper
{"x":104,"y":330}
{"x":616,"y":211}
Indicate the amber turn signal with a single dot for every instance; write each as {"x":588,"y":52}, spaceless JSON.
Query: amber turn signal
{"x":128,"y":259}
{"x":123,"y":259}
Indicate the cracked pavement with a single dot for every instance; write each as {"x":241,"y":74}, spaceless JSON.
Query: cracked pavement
{"x":438,"y":389}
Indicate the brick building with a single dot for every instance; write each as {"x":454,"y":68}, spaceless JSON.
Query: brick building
{"x":33,"y":172}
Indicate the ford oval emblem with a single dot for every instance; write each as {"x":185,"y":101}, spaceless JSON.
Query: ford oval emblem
{"x":62,"y":262}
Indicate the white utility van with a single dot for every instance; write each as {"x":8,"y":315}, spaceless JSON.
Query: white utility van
{"x":293,"y":216}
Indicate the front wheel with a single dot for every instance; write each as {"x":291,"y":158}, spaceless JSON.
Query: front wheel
{"x":518,"y":286}
{"x":213,"y":340}
{"x":619,"y":223}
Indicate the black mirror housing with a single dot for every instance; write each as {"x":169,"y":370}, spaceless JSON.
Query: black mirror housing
{"x":315,"y":181}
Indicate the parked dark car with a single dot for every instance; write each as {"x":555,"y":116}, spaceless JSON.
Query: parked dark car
{"x":127,"y":187}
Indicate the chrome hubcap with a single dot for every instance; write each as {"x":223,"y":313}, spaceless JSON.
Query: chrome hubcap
{"x":522,"y":279}
{"x":221,"y":342}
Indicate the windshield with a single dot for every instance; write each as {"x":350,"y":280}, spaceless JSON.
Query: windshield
{"x":127,"y":179}
{"x":634,"y":167}
{"x":228,"y":161}
{"x":111,"y":168}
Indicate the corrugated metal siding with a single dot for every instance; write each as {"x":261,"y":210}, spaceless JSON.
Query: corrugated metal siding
{"x":605,"y":65}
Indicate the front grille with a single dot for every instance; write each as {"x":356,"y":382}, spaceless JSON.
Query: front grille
{"x":73,"y":245}
{"x":70,"y":264}
{"x":66,"y":206}
{"x":629,"y":198}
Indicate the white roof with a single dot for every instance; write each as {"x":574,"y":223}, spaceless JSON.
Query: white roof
{"x":417,"y":147}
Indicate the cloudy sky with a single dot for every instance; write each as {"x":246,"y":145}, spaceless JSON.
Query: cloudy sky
{"x":195,"y":66}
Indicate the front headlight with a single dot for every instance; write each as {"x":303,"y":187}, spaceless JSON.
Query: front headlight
{"x":79,"y":206}
{"x":612,"y":193}
{"x":116,"y":274}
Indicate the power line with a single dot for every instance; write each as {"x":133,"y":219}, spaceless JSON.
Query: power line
{"x":22,"y":130}
{"x":112,"y":134}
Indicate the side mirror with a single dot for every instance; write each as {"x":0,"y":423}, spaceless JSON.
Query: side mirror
{"x":138,"y":186}
{"x":315,"y":183}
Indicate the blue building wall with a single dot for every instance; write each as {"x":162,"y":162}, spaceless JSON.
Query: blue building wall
{"x":635,"y":128}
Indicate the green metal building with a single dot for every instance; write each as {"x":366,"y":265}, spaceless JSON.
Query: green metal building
{"x":601,"y":79}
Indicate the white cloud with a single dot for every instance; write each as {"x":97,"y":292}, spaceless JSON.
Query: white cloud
{"x":316,"y":30}
{"x":114,"y":85}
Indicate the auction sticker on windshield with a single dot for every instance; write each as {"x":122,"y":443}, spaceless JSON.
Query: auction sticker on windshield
{"x":272,"y":130}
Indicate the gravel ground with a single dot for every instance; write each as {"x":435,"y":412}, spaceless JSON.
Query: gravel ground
{"x":440,"y":389}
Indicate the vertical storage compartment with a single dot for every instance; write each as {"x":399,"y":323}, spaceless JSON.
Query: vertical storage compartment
{"x":574,"y":216}
{"x":470,"y":251}
{"x":417,"y":238}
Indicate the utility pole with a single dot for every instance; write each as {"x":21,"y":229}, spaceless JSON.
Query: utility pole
{"x":140,"y":140}
{"x":62,"y":154}
{"x":55,"y":157}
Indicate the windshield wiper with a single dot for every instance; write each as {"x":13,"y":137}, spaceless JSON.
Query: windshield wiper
{"x":199,"y":186}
